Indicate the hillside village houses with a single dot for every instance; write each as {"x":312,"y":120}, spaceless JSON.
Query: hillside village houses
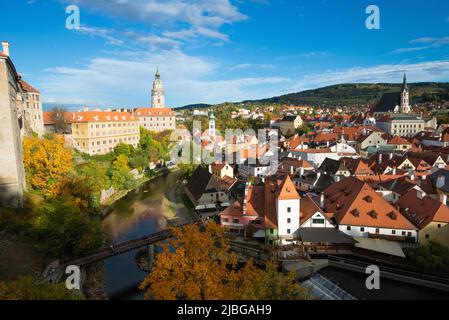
{"x":346,"y":183}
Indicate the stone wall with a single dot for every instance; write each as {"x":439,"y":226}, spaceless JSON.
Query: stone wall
{"x":12,"y":175}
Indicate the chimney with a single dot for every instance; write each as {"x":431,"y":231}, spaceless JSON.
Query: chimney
{"x":420,"y":194}
{"x":322,"y":201}
{"x":441,"y":181}
{"x":380,"y":158}
{"x":85,"y":109}
{"x":5,"y":46}
{"x":292,"y":170}
{"x":245,"y":197}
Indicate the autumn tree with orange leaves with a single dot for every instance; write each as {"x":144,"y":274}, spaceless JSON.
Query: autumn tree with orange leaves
{"x":47,"y":161}
{"x":198,"y":264}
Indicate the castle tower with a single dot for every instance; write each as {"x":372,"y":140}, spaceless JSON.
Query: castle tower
{"x":212,"y":126}
{"x":157,"y":93}
{"x":405,"y":97}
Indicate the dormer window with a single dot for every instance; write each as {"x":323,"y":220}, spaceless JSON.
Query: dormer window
{"x":368,"y":199}
{"x":355,"y":213}
{"x":373,"y":214}
{"x":392,"y":215}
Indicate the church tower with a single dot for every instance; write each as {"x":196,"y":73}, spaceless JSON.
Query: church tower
{"x":405,"y":97}
{"x":157,"y":93}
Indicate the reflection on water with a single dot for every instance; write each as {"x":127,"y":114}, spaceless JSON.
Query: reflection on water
{"x":142,"y":212}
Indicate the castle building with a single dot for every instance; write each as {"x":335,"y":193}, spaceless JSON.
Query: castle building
{"x":12,"y":173}
{"x":31,"y":109}
{"x":158,"y":117}
{"x":99,"y":132}
{"x":157,"y":93}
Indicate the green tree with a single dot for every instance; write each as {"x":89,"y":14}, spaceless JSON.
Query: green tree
{"x":62,"y":229}
{"x":28,"y":289}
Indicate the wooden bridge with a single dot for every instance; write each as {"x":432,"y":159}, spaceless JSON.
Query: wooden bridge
{"x":55,"y":270}
{"x":117,"y":249}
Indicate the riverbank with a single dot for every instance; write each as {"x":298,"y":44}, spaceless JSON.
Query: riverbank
{"x":106,"y":205}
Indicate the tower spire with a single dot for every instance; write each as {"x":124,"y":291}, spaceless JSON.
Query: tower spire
{"x":157,"y":93}
{"x":404,"y":84}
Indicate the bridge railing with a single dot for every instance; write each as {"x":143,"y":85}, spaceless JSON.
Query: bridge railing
{"x":401,"y":272}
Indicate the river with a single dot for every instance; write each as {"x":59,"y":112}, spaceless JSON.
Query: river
{"x":143,"y":211}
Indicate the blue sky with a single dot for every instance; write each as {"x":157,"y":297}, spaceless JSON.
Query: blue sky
{"x":211,"y":51}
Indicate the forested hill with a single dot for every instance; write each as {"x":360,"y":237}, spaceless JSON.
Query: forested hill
{"x":359,"y":94}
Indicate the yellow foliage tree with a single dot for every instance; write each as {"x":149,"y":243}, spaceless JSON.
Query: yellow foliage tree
{"x":46,"y":162}
{"x":197,"y":264}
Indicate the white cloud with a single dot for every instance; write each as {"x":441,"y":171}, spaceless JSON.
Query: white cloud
{"x":432,"y":41}
{"x":104,"y":33}
{"x":204,"y":16}
{"x":124,"y":79}
{"x":419,"y":72}
{"x":412,"y":49}
{"x":253,"y":66}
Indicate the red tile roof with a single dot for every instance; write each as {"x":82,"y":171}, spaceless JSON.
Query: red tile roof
{"x":27,"y":87}
{"x":101,"y":116}
{"x":154,"y":112}
{"x":356,"y":203}
{"x":422,"y":211}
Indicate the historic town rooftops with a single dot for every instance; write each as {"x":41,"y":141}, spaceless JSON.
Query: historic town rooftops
{"x":317,"y":181}
{"x":309,"y":208}
{"x":400,"y":186}
{"x":440,"y":179}
{"x":398,"y":140}
{"x":357,"y":167}
{"x":200,"y":182}
{"x":287,"y":190}
{"x":356,"y":203}
{"x":422,"y":209}
{"x":288,"y":164}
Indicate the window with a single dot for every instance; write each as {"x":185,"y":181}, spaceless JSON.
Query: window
{"x":225,"y":219}
{"x":427,"y":236}
{"x":235,"y":220}
{"x":403,"y":233}
{"x":289,"y":209}
{"x":377,"y":231}
{"x":393,"y":231}
{"x":288,"y":231}
{"x":289,"y":220}
{"x":362,"y":229}
{"x":271,"y":231}
{"x":318,"y":221}
{"x":348,"y":228}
